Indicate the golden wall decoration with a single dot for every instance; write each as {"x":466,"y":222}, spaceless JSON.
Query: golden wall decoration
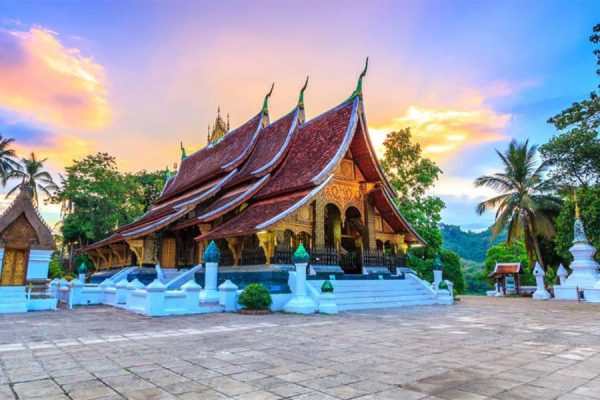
{"x":14,"y":267}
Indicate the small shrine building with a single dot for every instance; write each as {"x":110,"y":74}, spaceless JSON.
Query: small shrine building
{"x":26,"y":243}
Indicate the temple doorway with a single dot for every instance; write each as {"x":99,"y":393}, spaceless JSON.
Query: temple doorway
{"x":14,"y":267}
{"x":352,"y":242}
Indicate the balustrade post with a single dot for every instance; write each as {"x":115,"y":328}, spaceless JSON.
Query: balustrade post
{"x":300,"y":302}
{"x":212,"y":257}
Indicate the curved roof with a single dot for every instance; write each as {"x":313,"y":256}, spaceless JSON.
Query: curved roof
{"x":222,"y":156}
{"x":315,"y":150}
{"x":23,"y":205}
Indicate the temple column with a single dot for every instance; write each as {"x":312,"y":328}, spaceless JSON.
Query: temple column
{"x":319,"y":222}
{"x":267,"y":242}
{"x":235,"y":245}
{"x":370,"y":223}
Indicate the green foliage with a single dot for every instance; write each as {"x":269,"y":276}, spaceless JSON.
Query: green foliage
{"x":452,"y":269}
{"x":475,"y":278}
{"x":255,"y":297}
{"x":30,"y":172}
{"x":97,"y":198}
{"x":55,"y":269}
{"x":469,"y":245}
{"x":412,"y":175}
{"x":574,"y":157}
{"x":7,"y":155}
{"x":525,"y":205}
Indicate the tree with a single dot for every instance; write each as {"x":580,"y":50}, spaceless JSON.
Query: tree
{"x":149,"y":186}
{"x":412,"y":175}
{"x":31,"y":173}
{"x":525,"y":206}
{"x":7,"y":155}
{"x":574,"y":157}
{"x":97,"y":198}
{"x":475,"y":279}
{"x":452,"y":269}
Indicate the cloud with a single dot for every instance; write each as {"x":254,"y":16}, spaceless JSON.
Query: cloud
{"x":60,"y":150}
{"x":444,"y":132}
{"x":43,"y":79}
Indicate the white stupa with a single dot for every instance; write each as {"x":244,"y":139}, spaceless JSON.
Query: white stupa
{"x":585,"y":273}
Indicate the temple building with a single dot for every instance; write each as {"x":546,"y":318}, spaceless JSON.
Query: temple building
{"x":26,"y":245}
{"x":264,"y":187}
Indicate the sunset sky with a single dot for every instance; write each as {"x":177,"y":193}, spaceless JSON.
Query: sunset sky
{"x":135,"y":78}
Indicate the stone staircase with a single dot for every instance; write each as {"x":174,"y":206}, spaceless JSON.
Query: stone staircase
{"x":365,"y":294}
{"x":13,"y":299}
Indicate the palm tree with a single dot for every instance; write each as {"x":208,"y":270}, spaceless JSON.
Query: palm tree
{"x":525,"y":205}
{"x":7,"y":155}
{"x":32,"y":175}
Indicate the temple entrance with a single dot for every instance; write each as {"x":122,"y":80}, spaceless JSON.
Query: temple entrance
{"x":14,"y":267}
{"x":351,"y":242}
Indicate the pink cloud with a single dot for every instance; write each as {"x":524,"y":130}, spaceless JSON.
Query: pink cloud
{"x":43,"y":79}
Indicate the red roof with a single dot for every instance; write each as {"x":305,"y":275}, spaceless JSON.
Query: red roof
{"x":225,"y":155}
{"x":314,"y":151}
{"x":271,"y":147}
{"x":506,"y":268}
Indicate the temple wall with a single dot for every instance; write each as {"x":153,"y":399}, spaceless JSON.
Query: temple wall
{"x":39,"y":261}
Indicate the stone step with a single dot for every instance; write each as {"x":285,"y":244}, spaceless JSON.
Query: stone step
{"x":357,"y":296}
{"x":382,"y":299}
{"x":385,"y":304}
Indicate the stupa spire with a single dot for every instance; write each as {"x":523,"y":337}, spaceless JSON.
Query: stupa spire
{"x":579,"y":235}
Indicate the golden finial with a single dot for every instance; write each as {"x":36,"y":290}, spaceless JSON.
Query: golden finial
{"x":577,"y":211}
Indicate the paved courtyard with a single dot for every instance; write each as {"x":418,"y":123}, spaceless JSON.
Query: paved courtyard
{"x":479,"y":348}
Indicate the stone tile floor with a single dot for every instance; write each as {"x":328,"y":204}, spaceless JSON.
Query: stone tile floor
{"x":479,"y":348}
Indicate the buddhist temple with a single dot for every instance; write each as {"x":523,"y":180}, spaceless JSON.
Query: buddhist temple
{"x":261,"y":189}
{"x":26,"y":245}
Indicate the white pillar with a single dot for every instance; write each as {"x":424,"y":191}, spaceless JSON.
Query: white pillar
{"x":155,"y":298}
{"x":121,"y":291}
{"x":192,"y":294}
{"x":562,"y":274}
{"x":131,"y":287}
{"x":228,"y":295}
{"x":75,"y":286}
{"x":300,"y":302}
{"x":210,"y":294}
{"x":437,"y":278}
{"x":540,"y":293}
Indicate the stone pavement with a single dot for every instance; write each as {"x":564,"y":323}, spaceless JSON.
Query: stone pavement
{"x":479,"y":348}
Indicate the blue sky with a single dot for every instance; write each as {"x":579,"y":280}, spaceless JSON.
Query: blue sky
{"x":135,"y":78}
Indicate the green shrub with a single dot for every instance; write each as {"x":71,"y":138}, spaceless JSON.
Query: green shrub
{"x":255,"y":297}
{"x":55,"y":269}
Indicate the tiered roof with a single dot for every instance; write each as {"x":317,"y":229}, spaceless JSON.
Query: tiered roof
{"x":274,"y":168}
{"x":23,"y":206}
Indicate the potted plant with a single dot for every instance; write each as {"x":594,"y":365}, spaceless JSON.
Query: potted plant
{"x":255,"y":300}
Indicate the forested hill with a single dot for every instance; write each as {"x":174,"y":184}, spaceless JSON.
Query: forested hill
{"x":468,"y":245}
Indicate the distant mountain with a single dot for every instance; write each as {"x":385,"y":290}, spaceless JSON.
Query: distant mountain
{"x":468,"y":245}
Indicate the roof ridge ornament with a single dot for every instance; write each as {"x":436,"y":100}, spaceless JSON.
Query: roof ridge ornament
{"x":167,"y":174}
{"x":301,"y":97}
{"x":265,"y":107}
{"x":358,"y":90}
{"x":183,"y":154}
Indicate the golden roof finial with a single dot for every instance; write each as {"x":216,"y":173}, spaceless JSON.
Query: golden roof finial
{"x":577,"y":211}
